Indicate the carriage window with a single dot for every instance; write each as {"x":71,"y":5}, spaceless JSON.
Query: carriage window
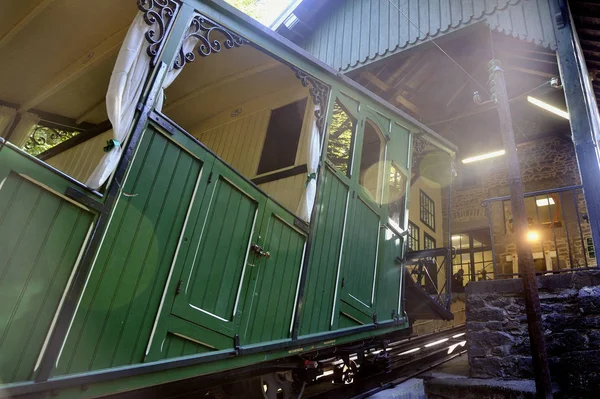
{"x":413,"y":236}
{"x":427,"y":211}
{"x":397,"y":196}
{"x":371,"y":161}
{"x":283,"y":135}
{"x":341,"y":138}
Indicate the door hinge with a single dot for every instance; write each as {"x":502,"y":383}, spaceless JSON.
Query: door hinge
{"x":210,"y":177}
{"x":178,"y":288}
{"x":343,"y":282}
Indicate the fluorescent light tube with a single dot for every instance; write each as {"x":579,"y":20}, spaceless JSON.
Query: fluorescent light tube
{"x":484,"y":156}
{"x":548,"y":107}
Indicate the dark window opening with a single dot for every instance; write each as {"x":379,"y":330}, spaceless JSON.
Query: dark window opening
{"x":413,"y":236}
{"x":341,"y":137}
{"x":283,"y":136}
{"x":428,"y":241}
{"x":397,"y":196}
{"x":427,"y":211}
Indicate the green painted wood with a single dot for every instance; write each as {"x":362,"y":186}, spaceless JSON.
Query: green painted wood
{"x":41,"y":235}
{"x":176,"y":346}
{"x":389,"y":276}
{"x":273,"y":297}
{"x":119,"y":305}
{"x":216,"y":269}
{"x":359,"y":261}
{"x":399,"y":146}
{"x":324,"y":257}
{"x":359,"y":32}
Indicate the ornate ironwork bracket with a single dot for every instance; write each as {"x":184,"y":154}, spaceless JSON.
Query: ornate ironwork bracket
{"x":319,"y":92}
{"x":204,"y":29}
{"x":159,"y":15}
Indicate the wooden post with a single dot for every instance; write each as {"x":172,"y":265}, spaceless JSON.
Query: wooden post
{"x":583,"y":113}
{"x":543,"y":383}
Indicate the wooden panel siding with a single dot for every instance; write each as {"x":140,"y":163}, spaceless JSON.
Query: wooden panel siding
{"x":324,"y":258}
{"x":359,"y":32}
{"x":288,"y":192}
{"x":389,"y":275}
{"x":276,"y":282}
{"x":360,"y":254}
{"x":175,"y":346}
{"x":239,"y":142}
{"x":118,"y":308}
{"x":41,"y":235}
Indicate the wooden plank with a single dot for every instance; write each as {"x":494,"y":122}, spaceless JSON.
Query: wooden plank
{"x":374,"y":80}
{"x":22,"y":24}
{"x":76,"y":69}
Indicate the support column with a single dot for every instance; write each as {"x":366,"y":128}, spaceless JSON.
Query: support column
{"x":583,"y":112}
{"x":543,"y":384}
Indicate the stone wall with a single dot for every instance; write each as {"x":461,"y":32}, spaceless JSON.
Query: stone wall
{"x":497,"y":337}
{"x":545,"y":164}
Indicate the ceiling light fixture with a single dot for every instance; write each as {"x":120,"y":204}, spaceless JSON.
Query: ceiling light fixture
{"x":484,"y":156}
{"x":544,"y":202}
{"x":548,"y":107}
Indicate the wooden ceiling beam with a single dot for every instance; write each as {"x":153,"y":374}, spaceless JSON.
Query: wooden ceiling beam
{"x":19,"y":26}
{"x":530,"y":71}
{"x":76,"y":69}
{"x":375,"y":81}
{"x":522,"y":57}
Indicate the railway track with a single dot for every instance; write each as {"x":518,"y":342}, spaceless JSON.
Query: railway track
{"x":409,"y":358}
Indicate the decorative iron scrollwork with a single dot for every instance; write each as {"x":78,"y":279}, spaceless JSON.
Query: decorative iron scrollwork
{"x":204,"y":29}
{"x":319,"y":92}
{"x":159,"y":15}
{"x":43,"y":138}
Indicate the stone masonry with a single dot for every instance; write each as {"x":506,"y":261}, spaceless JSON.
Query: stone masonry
{"x":497,"y":337}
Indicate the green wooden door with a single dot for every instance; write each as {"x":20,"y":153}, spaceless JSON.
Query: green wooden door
{"x":359,"y":260}
{"x":215,"y":273}
{"x":273,"y":291}
{"x":360,"y":257}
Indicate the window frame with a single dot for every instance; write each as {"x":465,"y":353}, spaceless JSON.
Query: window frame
{"x":378,"y":196}
{"x":426,"y":238}
{"x":410,"y":238}
{"x":352,"y":150}
{"x":423,"y":195}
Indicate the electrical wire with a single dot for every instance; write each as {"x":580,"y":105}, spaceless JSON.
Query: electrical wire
{"x":486,"y":109}
{"x":441,"y":49}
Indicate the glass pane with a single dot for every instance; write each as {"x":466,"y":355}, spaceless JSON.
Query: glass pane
{"x":341,"y":137}
{"x":371,"y":161}
{"x":397,"y":196}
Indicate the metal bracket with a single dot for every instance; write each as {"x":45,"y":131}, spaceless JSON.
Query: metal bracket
{"x":236,"y":344}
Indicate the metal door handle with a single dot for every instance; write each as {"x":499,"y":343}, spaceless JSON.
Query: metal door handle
{"x":259,"y":251}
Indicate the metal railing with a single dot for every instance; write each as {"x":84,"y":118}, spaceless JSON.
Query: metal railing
{"x":559,"y":232}
{"x":432,"y":270}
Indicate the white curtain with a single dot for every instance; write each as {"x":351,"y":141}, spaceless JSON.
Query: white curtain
{"x":312,"y":163}
{"x":7,"y":116}
{"x":24,"y":128}
{"x":124,"y":90}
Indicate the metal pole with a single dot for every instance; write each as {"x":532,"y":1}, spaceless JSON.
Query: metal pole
{"x":449,"y":252}
{"x":583,"y":111}
{"x":532,"y":300}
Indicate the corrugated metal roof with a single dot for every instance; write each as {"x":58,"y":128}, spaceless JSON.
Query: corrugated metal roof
{"x":358,"y":32}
